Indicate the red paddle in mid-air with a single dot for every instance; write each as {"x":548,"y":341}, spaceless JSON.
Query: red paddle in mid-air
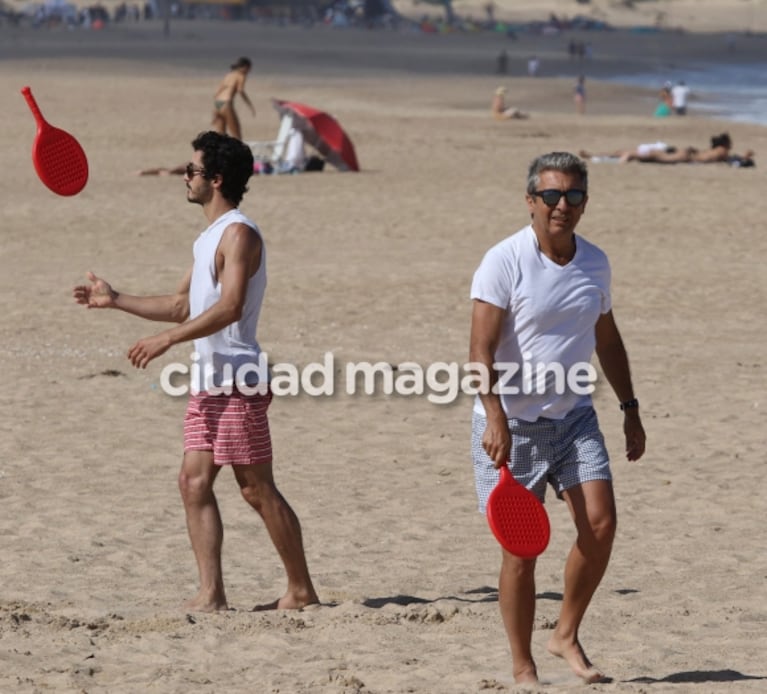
{"x":59,"y":159}
{"x":517,"y":518}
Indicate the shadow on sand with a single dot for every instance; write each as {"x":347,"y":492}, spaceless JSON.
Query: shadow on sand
{"x":699,"y":676}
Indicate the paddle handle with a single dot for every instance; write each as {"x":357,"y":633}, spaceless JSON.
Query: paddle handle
{"x":27,"y":92}
{"x":506,"y":476}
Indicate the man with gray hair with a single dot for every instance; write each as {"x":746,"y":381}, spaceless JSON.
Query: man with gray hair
{"x":542,"y":297}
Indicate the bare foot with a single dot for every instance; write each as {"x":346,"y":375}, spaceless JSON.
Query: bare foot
{"x":526,"y":675}
{"x":576,"y":658}
{"x":288,"y":602}
{"x":200,"y":603}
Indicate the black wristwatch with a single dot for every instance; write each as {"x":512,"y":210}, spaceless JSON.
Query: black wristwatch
{"x":632,"y":404}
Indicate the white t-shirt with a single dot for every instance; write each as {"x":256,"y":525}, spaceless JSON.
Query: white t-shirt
{"x":548,"y":331}
{"x":679,"y":95}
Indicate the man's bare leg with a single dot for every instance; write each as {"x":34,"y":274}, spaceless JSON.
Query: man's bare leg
{"x":592,"y":506}
{"x":516,"y":599}
{"x":258,"y":489}
{"x":206,"y":532}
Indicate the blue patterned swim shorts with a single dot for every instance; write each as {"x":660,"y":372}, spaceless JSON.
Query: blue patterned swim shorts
{"x":561,"y":452}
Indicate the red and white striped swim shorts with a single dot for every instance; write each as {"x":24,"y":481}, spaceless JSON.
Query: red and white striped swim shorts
{"x":235,"y":427}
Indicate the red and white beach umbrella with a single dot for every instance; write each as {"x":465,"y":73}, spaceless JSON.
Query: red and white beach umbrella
{"x":321,"y":131}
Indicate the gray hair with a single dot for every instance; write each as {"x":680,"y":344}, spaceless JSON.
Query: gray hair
{"x":556,"y":161}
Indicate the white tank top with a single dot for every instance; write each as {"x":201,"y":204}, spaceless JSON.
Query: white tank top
{"x":222,"y":355}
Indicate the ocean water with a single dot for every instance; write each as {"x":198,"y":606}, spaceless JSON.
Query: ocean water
{"x":731,"y":92}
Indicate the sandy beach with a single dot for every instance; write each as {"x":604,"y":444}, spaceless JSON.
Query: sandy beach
{"x":374,"y":266}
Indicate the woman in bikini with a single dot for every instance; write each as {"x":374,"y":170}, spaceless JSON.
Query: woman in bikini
{"x":225,"y":118}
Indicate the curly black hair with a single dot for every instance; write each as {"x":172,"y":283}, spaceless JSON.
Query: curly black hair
{"x":229,"y":158}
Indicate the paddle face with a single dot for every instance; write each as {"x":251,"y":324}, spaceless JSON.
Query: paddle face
{"x":59,"y":159}
{"x":517,"y":518}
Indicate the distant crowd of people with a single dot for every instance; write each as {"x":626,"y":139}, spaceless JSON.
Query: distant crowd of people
{"x":93,"y":16}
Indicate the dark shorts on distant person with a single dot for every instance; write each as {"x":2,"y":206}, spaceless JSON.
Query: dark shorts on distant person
{"x":235,"y":427}
{"x":561,"y":452}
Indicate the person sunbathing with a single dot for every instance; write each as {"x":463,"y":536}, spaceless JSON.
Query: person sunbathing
{"x":719,"y":151}
{"x":721,"y":145}
{"x":499,"y":109}
{"x":639,"y":153}
{"x":661,"y":153}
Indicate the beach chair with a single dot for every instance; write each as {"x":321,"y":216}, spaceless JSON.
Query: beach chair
{"x":274,"y":152}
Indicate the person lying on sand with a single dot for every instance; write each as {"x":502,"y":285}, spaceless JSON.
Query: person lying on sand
{"x":179,"y":170}
{"x":640,"y":152}
{"x":661,"y":153}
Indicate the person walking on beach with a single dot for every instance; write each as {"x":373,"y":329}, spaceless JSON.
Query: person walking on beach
{"x":579,"y":95}
{"x":217,"y":305}
{"x":680,"y":93}
{"x":542,"y":297}
{"x":665,"y":106}
{"x":225,"y":118}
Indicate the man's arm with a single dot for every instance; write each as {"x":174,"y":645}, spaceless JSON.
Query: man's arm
{"x":486,"y":325}
{"x":170,"y":308}
{"x":240,"y":254}
{"x":615,"y":365}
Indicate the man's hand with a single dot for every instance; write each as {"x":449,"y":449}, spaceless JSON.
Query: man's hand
{"x":497,"y":442}
{"x":97,"y":294}
{"x":635,"y":436}
{"x":147,"y":349}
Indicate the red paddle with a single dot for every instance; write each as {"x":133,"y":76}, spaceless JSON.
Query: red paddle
{"x":59,"y":160}
{"x":517,"y":518}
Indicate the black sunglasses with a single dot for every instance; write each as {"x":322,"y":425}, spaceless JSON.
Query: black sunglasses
{"x":552,"y":197}
{"x":191,"y":170}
